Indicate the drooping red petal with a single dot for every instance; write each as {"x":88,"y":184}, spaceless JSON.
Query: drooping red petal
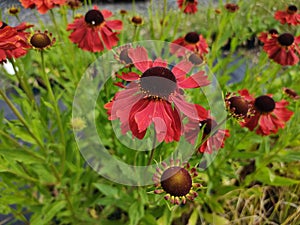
{"x":139,"y":57}
{"x":196,"y":80}
{"x":181,"y":69}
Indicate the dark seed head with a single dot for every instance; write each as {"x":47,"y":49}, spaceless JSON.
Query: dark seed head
{"x":137,"y":20}
{"x":191,"y":1}
{"x":192,"y":37}
{"x":195,"y":59}
{"x":94,"y":17}
{"x":176,"y":181}
{"x":264,"y":104}
{"x":286,"y":39}
{"x":13,"y":10}
{"x":238,"y":106}
{"x":124,"y":56}
{"x":273,"y":31}
{"x":3,"y":25}
{"x":158,"y":82}
{"x":209,"y":124}
{"x":292,"y":9}
{"x":40,"y":40}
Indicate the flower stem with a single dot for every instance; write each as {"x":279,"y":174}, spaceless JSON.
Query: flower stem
{"x":23,"y":82}
{"x":153,"y":150}
{"x":163,"y":19}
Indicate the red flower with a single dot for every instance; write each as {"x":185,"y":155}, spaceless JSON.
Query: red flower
{"x":191,"y":42}
{"x":188,"y":6}
{"x":268,"y":116}
{"x":92,"y":31}
{"x":264,"y":36}
{"x":282,"y":48}
{"x":231,"y":7}
{"x":155,"y":97}
{"x":289,"y":16}
{"x":42,"y":5}
{"x":13,"y":41}
{"x":212,"y":142}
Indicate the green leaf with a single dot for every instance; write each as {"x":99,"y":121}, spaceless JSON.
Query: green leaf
{"x":136,"y":212}
{"x":215,"y":219}
{"x":194,"y":217}
{"x":107,"y":190}
{"x":49,"y":211}
{"x":266,"y":176}
{"x":20,"y":156}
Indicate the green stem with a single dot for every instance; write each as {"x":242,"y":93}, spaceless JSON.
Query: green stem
{"x":23,"y":82}
{"x":163,"y":18}
{"x":22,"y":120}
{"x":153,"y":150}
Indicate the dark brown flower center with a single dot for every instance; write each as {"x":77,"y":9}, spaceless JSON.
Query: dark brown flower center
{"x":40,"y":40}
{"x":238,"y":105}
{"x":264,"y":104}
{"x":292,"y":9}
{"x":124,"y":56}
{"x":13,"y":10}
{"x":137,"y":20}
{"x":158,"y":82}
{"x":273,"y":31}
{"x":3,"y":25}
{"x":192,"y":37}
{"x":176,"y":181}
{"x":195,"y":59}
{"x":191,"y":1}
{"x":286,"y":39}
{"x":94,"y":17}
{"x":209,"y":126}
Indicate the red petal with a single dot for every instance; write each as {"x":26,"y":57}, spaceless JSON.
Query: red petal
{"x":195,"y":81}
{"x":139,"y":57}
{"x":181,"y":69}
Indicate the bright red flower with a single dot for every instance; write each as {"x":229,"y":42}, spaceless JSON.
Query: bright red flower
{"x":231,"y":7}
{"x":191,"y":42}
{"x":154,"y":95}
{"x":264,"y":36}
{"x":93,"y":31}
{"x":283,"y":48}
{"x":23,"y":45}
{"x":188,"y":6}
{"x":268,"y":116}
{"x":289,"y":16}
{"x":212,"y":142}
{"x":42,"y":5}
{"x":13,"y":41}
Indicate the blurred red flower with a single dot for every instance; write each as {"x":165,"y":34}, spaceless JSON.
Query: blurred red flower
{"x":282,"y":48}
{"x":93,"y":31}
{"x":268,"y":116}
{"x":289,"y":16}
{"x":212,"y":136}
{"x":42,"y":5}
{"x":155,"y":97}
{"x":191,"y":42}
{"x":17,"y":41}
{"x":188,"y":6}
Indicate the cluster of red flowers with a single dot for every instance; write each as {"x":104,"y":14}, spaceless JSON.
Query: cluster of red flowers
{"x":13,"y":41}
{"x":283,"y":48}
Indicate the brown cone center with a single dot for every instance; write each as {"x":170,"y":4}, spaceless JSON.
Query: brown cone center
{"x":239,"y":105}
{"x":209,"y":125}
{"x":264,"y":104}
{"x":94,"y":17}
{"x":292,"y":9}
{"x":176,"y":181}
{"x":286,"y":39}
{"x":158,"y":82}
{"x":40,"y":40}
{"x":192,"y":37}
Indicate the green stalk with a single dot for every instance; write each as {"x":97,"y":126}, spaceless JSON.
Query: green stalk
{"x":163,"y":18}
{"x":23,"y":82}
{"x":153,"y":150}
{"x":52,"y":98}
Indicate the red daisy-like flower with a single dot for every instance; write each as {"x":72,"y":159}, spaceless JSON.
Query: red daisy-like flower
{"x":12,"y":42}
{"x":264,"y":36}
{"x":289,"y":16}
{"x":93,"y":31}
{"x":23,"y":45}
{"x":154,"y":96}
{"x":231,"y":7}
{"x":268,"y":116}
{"x":42,"y":5}
{"x":188,"y":6}
{"x":191,"y":42}
{"x":212,"y":141}
{"x":283,"y":48}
